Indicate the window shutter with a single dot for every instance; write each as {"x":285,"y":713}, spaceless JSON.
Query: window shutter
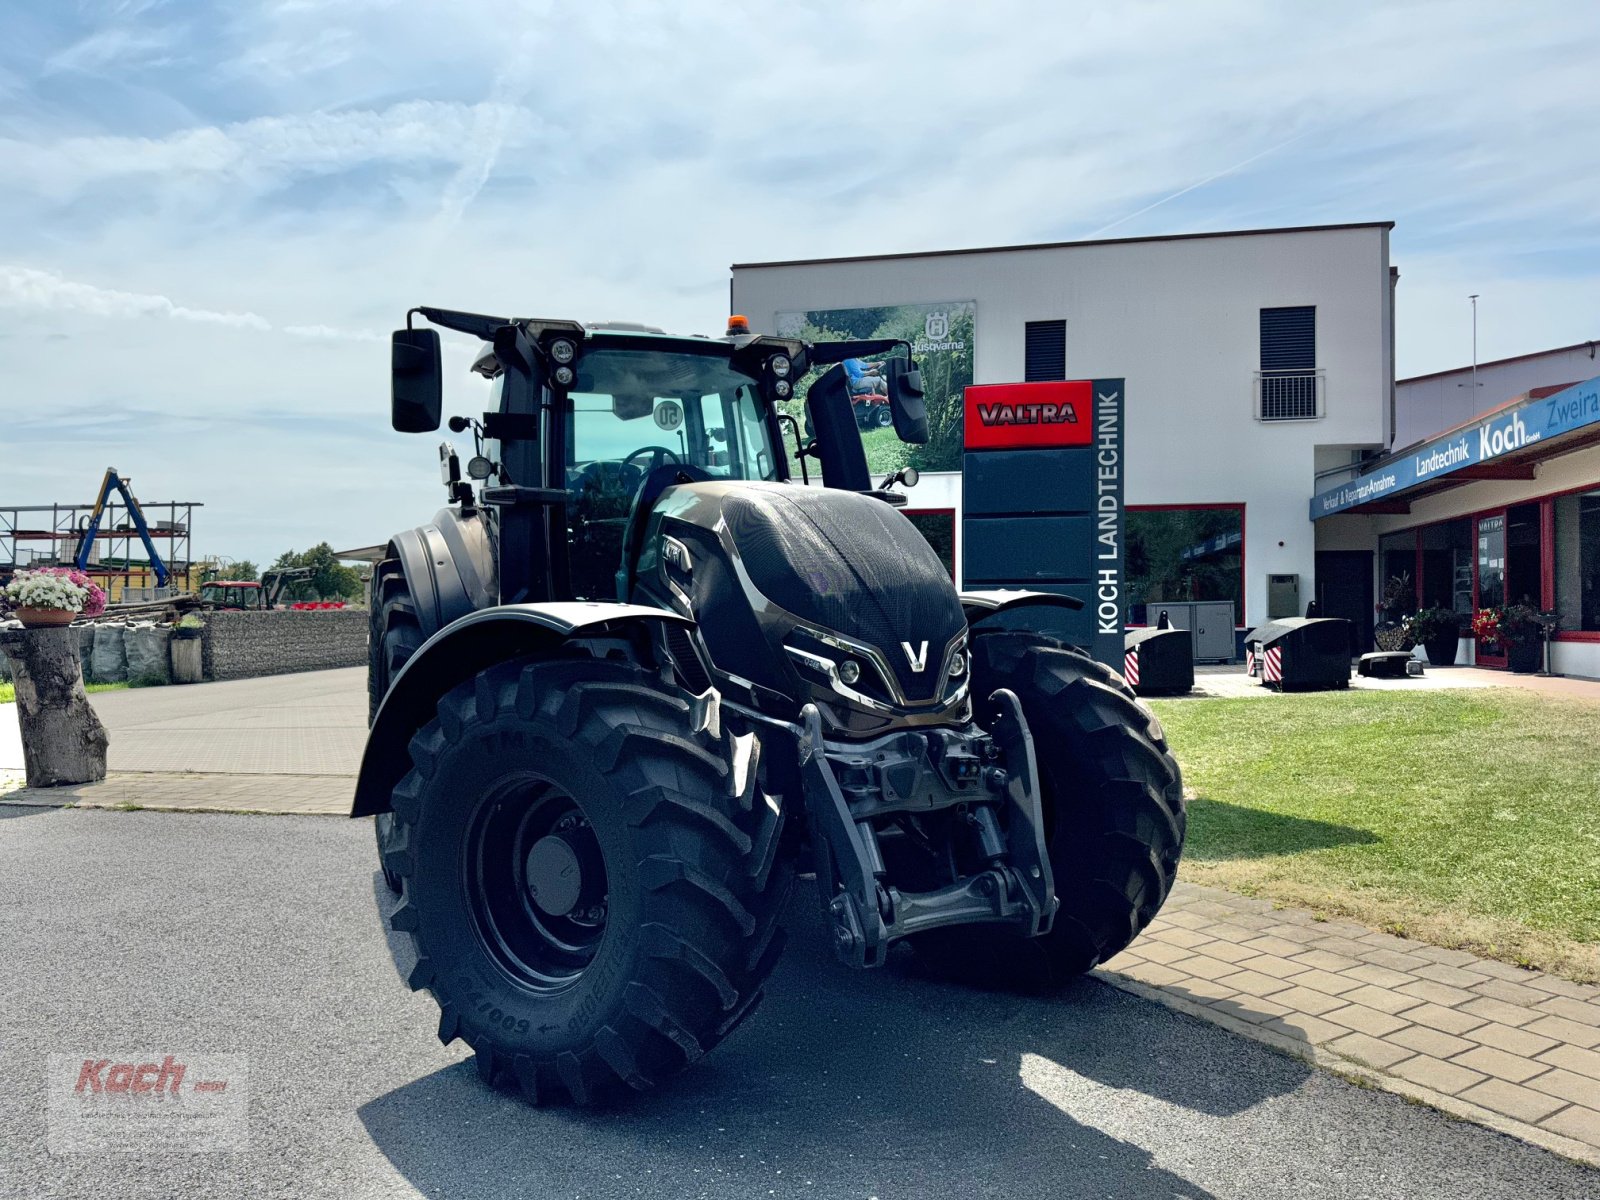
{"x":1289,"y":339}
{"x":1045,"y":356}
{"x":1288,"y":381}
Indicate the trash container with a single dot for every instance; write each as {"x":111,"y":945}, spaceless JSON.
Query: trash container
{"x":1300,"y":653}
{"x":1158,"y":661}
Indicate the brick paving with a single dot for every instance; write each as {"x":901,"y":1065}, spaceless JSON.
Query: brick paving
{"x":1517,"y":1050}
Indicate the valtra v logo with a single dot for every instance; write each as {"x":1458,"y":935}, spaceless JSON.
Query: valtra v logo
{"x":1025,"y":416}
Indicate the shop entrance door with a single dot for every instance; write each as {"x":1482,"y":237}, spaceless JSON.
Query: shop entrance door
{"x":1490,"y":581}
{"x":1344,"y":589}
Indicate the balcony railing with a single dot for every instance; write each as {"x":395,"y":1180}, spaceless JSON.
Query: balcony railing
{"x":1289,"y":395}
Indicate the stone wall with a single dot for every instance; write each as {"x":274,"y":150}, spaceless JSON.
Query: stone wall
{"x":241,"y":645}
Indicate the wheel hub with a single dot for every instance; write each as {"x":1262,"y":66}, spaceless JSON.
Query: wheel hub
{"x":537,"y":882}
{"x":555,"y":875}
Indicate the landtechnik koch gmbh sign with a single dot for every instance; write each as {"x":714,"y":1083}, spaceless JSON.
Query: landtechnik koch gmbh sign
{"x":1495,"y":435}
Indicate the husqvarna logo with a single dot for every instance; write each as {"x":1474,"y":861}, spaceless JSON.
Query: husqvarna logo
{"x":936,"y":326}
{"x":918,"y":658}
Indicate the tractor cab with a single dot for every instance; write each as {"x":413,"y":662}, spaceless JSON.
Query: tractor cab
{"x":231,"y":594}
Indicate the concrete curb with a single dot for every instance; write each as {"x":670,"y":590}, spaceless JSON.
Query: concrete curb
{"x":1359,"y":1072}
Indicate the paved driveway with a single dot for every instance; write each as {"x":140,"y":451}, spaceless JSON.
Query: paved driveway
{"x":198,"y":932}
{"x":282,"y":743}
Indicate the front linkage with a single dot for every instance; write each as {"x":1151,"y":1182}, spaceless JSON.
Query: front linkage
{"x":849,"y":785}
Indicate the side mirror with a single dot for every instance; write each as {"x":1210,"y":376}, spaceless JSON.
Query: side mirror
{"x":416,"y":388}
{"x":906,"y":404}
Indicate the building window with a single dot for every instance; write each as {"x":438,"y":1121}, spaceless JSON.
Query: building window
{"x":1577,"y":561}
{"x":1289,"y":386}
{"x":1184,"y":554}
{"x":938,"y":527}
{"x":1045,"y":354}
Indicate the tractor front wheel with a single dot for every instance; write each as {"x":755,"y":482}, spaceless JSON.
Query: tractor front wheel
{"x":591,"y":883}
{"x":1113,"y":807}
{"x":394,"y":634}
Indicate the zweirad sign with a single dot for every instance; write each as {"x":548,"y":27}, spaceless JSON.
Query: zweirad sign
{"x":1481,"y":442}
{"x":1042,"y":483}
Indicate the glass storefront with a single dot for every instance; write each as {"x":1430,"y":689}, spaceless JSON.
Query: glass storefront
{"x":1577,"y":560}
{"x":1397,"y":564}
{"x":1491,"y":561}
{"x":1544,"y":553}
{"x":1447,"y":566}
{"x":1184,"y":554}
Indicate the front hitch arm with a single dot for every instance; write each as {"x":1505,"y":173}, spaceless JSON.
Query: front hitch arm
{"x":866,"y":913}
{"x":1025,"y":838}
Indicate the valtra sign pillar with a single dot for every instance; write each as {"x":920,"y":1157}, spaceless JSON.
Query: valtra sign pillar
{"x":1042,"y":487}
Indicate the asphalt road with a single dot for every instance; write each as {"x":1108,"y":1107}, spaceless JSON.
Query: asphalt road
{"x":194,"y":933}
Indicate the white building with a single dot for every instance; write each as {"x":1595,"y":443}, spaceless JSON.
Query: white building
{"x":1253,"y":361}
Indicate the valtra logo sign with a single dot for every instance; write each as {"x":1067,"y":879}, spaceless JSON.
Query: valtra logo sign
{"x":1030,"y":416}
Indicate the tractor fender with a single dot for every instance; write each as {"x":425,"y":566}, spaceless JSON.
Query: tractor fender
{"x":458,"y":652}
{"x":449,"y":567}
{"x":981,"y":606}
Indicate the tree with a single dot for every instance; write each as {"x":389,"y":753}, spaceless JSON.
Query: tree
{"x":245,"y":571}
{"x":330,"y":580}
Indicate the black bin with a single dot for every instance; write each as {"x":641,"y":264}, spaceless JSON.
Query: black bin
{"x":1158,"y":661}
{"x":1300,"y":653}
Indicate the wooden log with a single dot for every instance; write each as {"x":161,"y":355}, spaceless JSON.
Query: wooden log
{"x":62,"y":739}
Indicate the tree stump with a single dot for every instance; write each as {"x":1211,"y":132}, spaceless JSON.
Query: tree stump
{"x":62,"y":738}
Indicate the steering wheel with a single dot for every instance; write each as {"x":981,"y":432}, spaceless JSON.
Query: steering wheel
{"x":659,"y":456}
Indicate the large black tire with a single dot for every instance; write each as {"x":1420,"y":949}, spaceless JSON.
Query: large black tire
{"x":677,"y":849}
{"x":1114,"y":816}
{"x":393,"y":635}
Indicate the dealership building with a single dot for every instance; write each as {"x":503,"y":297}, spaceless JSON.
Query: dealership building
{"x":1262,"y":417}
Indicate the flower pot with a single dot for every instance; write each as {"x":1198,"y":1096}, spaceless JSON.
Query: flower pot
{"x":39,"y":618}
{"x":1524,"y":657}
{"x":1442,"y":649}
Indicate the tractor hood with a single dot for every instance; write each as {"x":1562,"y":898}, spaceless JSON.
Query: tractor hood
{"x":790,"y":584}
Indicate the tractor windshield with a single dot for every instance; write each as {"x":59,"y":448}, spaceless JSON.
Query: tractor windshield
{"x":633,"y":410}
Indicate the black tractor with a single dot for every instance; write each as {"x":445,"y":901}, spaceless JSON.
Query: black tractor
{"x":635,"y":676}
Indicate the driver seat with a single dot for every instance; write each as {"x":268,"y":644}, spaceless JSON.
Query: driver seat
{"x":656,"y":481}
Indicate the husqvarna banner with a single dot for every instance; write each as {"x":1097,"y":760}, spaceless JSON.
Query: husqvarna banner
{"x":941,"y":341}
{"x":1042,"y":493}
{"x":1484,"y":441}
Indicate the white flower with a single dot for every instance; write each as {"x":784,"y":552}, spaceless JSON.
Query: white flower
{"x":34,"y":589}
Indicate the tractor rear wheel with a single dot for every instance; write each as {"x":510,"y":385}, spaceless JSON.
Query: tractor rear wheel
{"x":591,"y":884}
{"x":1114,"y":815}
{"x":393,"y":635}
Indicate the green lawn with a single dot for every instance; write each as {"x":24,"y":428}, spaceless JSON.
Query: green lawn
{"x":1465,"y":818}
{"x":8,"y":692}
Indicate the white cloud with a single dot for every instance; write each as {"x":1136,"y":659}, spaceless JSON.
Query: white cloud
{"x":25,"y":287}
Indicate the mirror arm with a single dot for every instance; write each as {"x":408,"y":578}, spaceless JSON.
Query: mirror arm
{"x":800,"y":451}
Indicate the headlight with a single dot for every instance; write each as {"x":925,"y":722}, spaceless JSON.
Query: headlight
{"x":562,"y":350}
{"x":781,"y":389}
{"x":849,"y":672}
{"x":564,"y":376}
{"x":958,"y":665}
{"x":780,"y":365}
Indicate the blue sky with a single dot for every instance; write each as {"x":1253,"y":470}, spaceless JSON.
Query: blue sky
{"x":210,"y":215}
